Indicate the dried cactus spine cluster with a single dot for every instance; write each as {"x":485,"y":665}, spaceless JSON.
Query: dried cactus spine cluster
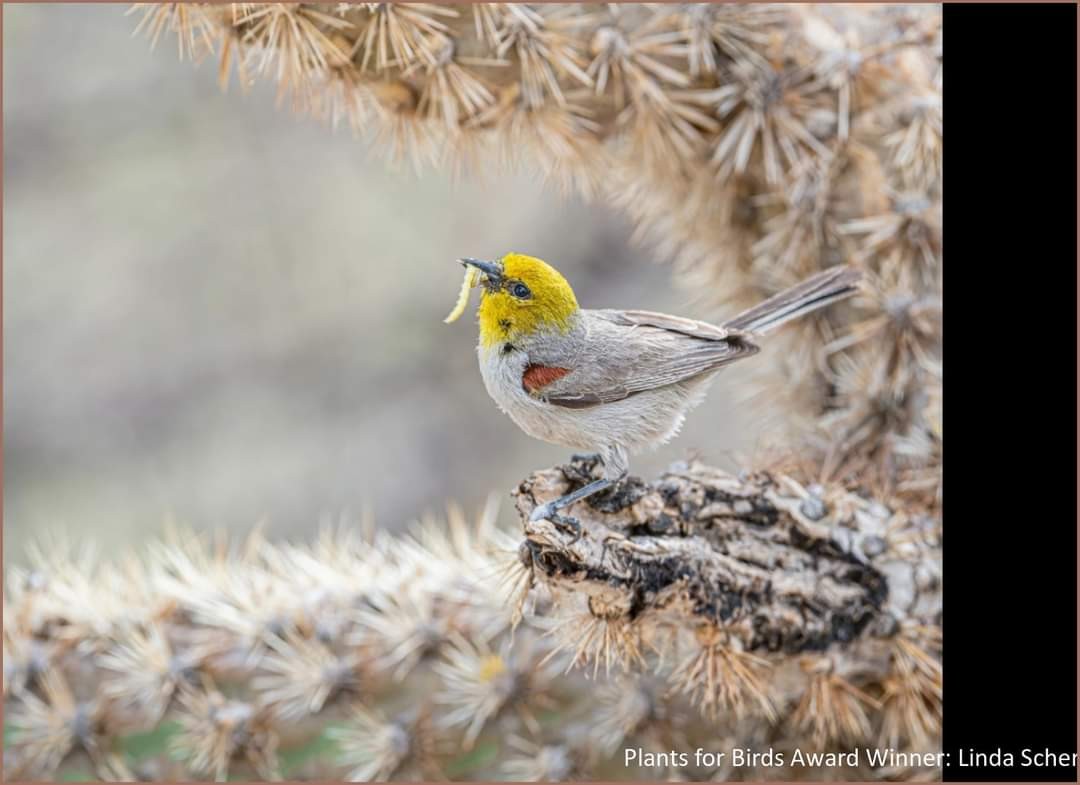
{"x":399,"y":657}
{"x":754,"y":144}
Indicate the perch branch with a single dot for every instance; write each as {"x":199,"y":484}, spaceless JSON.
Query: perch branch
{"x":781,"y":569}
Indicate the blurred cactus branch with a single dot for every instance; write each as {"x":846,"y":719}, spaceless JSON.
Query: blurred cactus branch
{"x":700,"y":606}
{"x":753,"y":145}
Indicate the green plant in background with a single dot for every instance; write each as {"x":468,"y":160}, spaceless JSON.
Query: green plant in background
{"x":793,"y":606}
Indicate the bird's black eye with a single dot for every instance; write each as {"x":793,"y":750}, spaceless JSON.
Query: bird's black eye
{"x":520,"y":290}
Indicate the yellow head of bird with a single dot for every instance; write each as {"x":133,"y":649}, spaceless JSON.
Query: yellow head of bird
{"x":521,"y":295}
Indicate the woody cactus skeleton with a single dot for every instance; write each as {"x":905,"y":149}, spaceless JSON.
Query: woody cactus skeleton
{"x":793,"y":606}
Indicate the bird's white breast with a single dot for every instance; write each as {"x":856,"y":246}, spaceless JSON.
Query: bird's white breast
{"x":502,"y":372}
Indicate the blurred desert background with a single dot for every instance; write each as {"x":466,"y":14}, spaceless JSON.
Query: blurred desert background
{"x":219,"y":313}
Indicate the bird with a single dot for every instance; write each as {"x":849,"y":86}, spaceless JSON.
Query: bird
{"x":610,"y":383}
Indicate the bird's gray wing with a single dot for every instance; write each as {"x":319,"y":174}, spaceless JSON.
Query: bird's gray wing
{"x":626,"y":352}
{"x":674,"y":324}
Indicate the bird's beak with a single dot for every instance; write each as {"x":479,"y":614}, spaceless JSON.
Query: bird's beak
{"x":493,"y":272}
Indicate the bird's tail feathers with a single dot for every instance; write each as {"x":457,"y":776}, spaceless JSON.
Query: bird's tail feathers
{"x":815,"y":292}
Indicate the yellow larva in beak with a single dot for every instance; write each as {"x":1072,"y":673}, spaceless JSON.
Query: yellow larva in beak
{"x":472,"y":278}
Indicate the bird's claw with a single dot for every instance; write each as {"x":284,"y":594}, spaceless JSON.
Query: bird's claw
{"x":540,"y":512}
{"x":565,"y":523}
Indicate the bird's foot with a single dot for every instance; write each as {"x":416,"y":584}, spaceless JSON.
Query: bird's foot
{"x":565,"y":523}
{"x":541,"y":512}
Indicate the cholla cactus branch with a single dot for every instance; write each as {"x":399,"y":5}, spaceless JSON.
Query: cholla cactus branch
{"x":756,"y":145}
{"x":698,"y":606}
{"x":776,"y":567}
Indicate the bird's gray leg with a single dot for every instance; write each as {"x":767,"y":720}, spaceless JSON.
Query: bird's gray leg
{"x":615,"y":468}
{"x":572,"y":498}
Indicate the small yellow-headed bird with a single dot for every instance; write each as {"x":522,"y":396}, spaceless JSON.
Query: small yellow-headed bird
{"x":605,"y":381}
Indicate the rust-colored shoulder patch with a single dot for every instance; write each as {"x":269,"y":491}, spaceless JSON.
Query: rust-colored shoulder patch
{"x":537,"y":377}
